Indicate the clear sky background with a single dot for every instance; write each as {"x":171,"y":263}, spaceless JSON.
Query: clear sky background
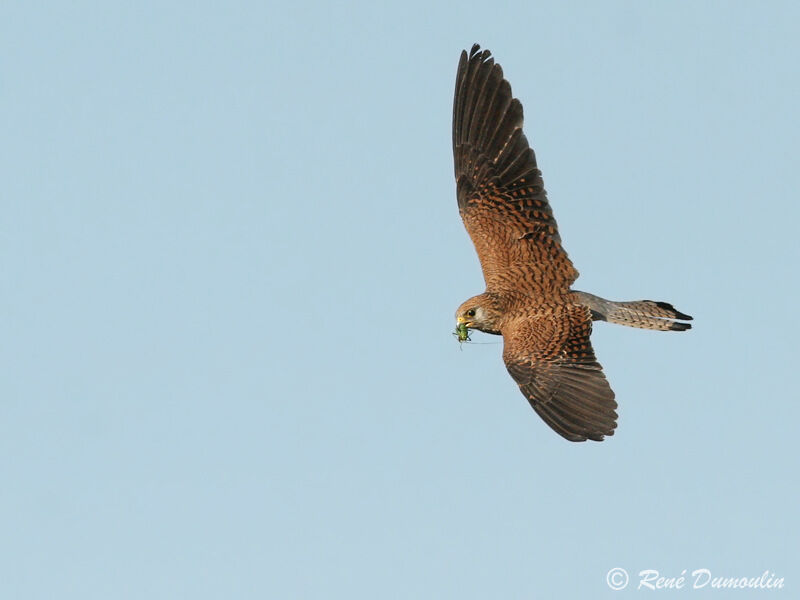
{"x":231,"y":257}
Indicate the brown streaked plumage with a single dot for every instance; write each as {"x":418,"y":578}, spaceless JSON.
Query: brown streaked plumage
{"x":545,"y":325}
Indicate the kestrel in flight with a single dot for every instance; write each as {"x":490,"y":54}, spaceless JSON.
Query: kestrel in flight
{"x":545,"y":325}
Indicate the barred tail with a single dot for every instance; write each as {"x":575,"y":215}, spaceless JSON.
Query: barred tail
{"x":645,"y":314}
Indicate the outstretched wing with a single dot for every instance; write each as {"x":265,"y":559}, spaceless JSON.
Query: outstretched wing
{"x":501,"y":195}
{"x":551,"y":358}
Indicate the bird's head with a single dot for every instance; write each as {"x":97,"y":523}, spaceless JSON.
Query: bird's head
{"x":479,"y":312}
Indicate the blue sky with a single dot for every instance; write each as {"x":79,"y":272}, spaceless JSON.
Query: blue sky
{"x":232,"y":256}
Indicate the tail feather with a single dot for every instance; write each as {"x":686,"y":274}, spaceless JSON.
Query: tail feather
{"x":645,"y":314}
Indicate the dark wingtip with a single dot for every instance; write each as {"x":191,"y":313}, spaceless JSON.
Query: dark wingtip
{"x":599,"y":437}
{"x":476,"y":53}
{"x":680,"y":326}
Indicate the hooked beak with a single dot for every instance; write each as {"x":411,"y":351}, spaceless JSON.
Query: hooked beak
{"x":463,"y":321}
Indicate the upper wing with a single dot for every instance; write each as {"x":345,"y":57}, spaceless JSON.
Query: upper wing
{"x":551,"y":358}
{"x":501,"y":195}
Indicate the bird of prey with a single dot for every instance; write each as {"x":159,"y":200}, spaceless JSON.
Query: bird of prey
{"x":528,"y":299}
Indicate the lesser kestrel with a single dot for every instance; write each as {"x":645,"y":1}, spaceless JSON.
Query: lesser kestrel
{"x":528,"y":299}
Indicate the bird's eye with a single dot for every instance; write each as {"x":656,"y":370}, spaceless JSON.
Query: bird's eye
{"x":471,"y":312}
